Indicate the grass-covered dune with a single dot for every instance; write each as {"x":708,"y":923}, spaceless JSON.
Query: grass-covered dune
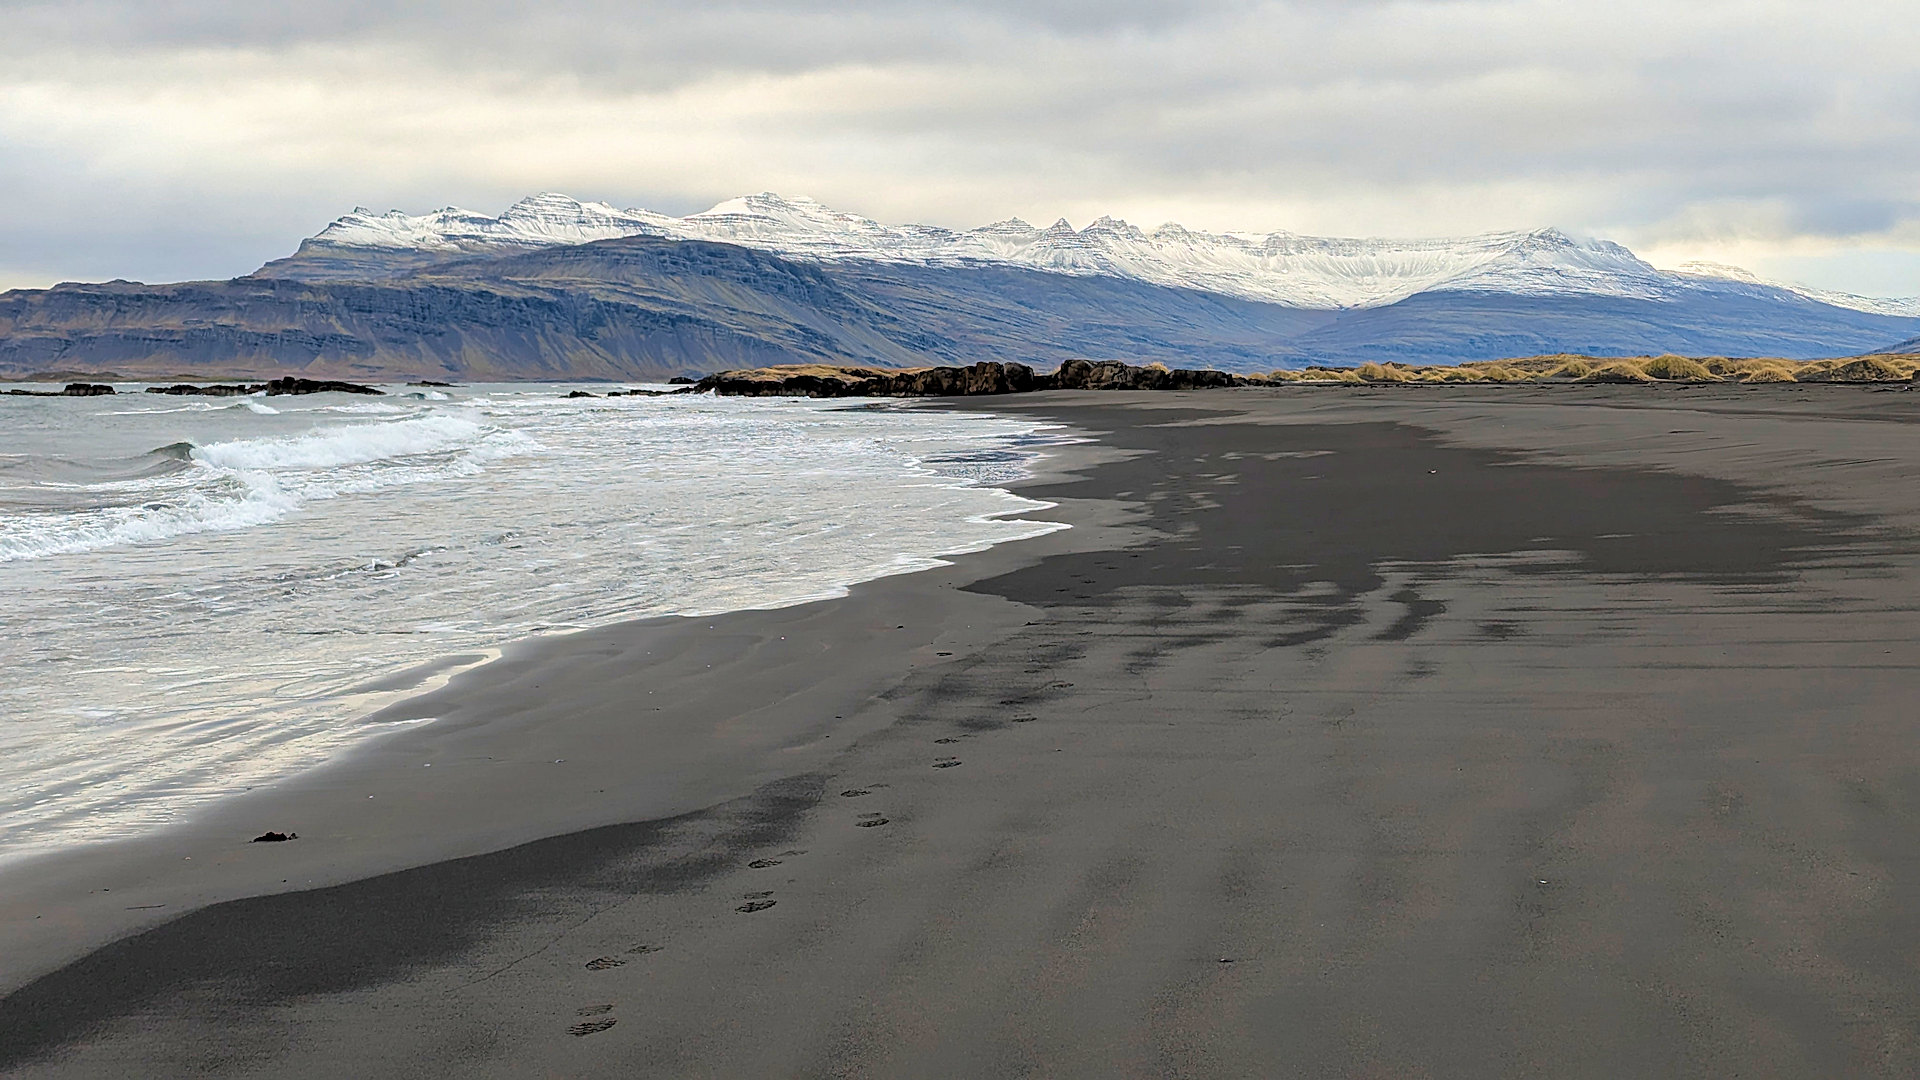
{"x":834,"y":380}
{"x":1877,"y":367}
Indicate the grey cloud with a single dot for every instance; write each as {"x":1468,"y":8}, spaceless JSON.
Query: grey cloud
{"x":1638,"y":118}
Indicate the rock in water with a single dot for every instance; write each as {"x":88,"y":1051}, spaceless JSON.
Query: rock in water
{"x":78,"y":389}
{"x":990,"y":377}
{"x":274,"y":388}
{"x":216,"y":390}
{"x":279,"y":387}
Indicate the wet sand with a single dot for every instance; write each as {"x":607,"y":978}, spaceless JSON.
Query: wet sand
{"x":1437,"y":731}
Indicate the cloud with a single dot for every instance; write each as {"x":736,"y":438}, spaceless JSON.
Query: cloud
{"x":1759,"y":126}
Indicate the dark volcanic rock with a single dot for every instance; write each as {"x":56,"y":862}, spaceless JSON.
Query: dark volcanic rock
{"x":581,"y":393}
{"x":279,"y":387}
{"x":217,"y":390}
{"x":274,"y":838}
{"x":989,"y":377}
{"x":276,"y":388}
{"x":79,"y":389}
{"x":681,"y":380}
{"x":1114,"y":375}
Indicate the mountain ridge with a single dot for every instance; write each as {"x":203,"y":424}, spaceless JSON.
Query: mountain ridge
{"x":1279,"y":267}
{"x":640,"y":308}
{"x":542,"y":291}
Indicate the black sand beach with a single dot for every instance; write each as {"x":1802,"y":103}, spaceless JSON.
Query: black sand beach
{"x":1424,"y":732}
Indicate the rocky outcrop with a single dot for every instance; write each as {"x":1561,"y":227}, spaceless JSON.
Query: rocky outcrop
{"x":1114,"y":375}
{"x":279,"y":387}
{"x":190,"y":390}
{"x":990,"y":377}
{"x":79,"y":389}
{"x":275,"y":388}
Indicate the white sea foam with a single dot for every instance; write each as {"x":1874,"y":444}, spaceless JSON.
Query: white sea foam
{"x":28,"y":537}
{"x":190,"y":407}
{"x":348,"y":445}
{"x":184,"y":621}
{"x":244,"y":483}
{"x":366,"y":408}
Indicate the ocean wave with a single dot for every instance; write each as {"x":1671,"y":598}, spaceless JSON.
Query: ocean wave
{"x":39,"y":536}
{"x":353,"y":445}
{"x":245,"y":483}
{"x":369,"y":408}
{"x":192,"y":406}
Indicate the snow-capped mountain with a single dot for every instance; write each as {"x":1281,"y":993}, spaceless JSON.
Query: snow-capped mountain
{"x":1722,"y":273}
{"x":1285,"y":268}
{"x":556,"y":288}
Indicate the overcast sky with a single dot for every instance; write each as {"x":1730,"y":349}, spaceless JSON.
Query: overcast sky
{"x":199,"y":138}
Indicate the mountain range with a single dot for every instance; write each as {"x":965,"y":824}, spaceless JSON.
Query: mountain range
{"x":556,"y":288}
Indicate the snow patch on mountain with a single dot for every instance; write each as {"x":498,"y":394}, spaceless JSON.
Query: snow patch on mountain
{"x":1713,"y":271}
{"x":1284,"y":268}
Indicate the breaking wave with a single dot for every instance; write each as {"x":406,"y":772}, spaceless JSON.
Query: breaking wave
{"x":243,"y":483}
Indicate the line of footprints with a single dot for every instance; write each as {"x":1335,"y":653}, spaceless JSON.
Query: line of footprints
{"x":594,"y":1018}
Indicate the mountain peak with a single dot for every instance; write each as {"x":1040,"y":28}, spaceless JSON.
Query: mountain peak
{"x":1274,"y":267}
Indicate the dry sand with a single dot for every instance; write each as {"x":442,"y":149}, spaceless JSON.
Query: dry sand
{"x":1426,"y":731}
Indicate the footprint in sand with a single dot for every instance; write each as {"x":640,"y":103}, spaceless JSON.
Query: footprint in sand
{"x":791,"y":854}
{"x":946,"y":763}
{"x":854,"y":793}
{"x":591,"y":1027}
{"x":868,"y":821}
{"x":1025,"y":719}
{"x":642,"y":950}
{"x":602,"y":963}
{"x":948,"y":739}
{"x":762,"y":864}
{"x":755,"y":905}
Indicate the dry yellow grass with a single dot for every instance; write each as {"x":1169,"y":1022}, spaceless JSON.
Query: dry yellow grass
{"x":1622,"y":369}
{"x":1383,"y":373}
{"x":1861,"y":369}
{"x":1767,"y":374}
{"x":1676,"y":368}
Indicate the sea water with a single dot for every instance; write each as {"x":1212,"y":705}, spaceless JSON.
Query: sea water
{"x":198,"y":596}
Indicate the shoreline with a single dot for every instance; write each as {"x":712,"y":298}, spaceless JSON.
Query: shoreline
{"x":272,"y":703}
{"x":150,"y":886}
{"x":1470,"y":733}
